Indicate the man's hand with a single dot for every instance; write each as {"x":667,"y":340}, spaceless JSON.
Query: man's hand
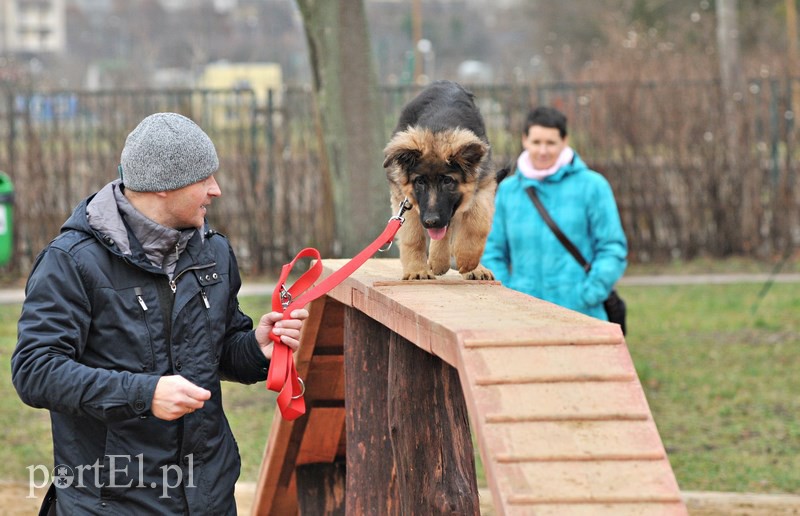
{"x":175,"y":396}
{"x":288,"y":330}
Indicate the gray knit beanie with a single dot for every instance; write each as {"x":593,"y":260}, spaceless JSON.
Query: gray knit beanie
{"x":166,"y":151}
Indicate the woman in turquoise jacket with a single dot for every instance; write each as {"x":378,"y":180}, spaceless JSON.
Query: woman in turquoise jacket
{"x":524,"y":253}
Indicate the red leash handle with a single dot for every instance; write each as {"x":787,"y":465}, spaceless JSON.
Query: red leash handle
{"x":282,"y":376}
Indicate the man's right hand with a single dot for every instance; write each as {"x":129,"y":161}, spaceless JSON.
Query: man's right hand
{"x":175,"y":396}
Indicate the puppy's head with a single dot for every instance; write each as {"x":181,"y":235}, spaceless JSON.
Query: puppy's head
{"x":437,"y":171}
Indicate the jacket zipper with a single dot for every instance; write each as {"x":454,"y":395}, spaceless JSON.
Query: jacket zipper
{"x":208,"y":326}
{"x":138,"y":292}
{"x":173,"y":283}
{"x":143,"y":305}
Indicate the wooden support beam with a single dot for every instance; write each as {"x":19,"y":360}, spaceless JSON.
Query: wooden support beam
{"x":371,"y":475}
{"x":320,"y":488}
{"x":427,"y":412}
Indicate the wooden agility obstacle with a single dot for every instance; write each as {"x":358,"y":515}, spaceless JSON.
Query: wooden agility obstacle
{"x":555,"y":405}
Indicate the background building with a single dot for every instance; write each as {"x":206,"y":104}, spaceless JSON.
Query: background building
{"x":32,"y":26}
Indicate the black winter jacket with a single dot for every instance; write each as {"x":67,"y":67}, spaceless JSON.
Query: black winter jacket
{"x":97,"y":330}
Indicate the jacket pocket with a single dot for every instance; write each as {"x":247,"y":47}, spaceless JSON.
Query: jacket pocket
{"x":121,"y":334}
{"x":137,"y":454}
{"x":213,"y":297}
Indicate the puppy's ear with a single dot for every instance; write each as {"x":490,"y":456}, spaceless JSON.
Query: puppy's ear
{"x":404,"y":157}
{"x":469,"y":156}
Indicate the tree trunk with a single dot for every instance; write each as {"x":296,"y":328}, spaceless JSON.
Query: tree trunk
{"x":352,"y":126}
{"x":740,"y":188}
{"x":787,"y":187}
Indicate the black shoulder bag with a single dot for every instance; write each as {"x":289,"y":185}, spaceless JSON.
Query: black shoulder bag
{"x":614,"y":305}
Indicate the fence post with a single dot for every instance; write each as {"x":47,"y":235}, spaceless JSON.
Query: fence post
{"x":12,"y":132}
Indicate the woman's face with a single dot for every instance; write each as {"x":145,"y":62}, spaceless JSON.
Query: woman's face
{"x":544,"y":145}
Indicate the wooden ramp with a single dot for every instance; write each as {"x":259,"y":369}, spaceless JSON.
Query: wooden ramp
{"x":556,"y":406}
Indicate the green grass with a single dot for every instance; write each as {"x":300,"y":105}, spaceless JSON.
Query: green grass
{"x":722,"y":383}
{"x":25,"y":432}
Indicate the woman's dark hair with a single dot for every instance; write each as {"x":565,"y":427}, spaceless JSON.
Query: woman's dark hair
{"x":547,"y":117}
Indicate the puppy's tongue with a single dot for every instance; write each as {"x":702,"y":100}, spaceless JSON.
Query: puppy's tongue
{"x":437,"y":233}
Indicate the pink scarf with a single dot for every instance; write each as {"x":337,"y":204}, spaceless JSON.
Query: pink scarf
{"x":526,"y":167}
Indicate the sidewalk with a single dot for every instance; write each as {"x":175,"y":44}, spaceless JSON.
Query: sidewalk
{"x":12,"y":295}
{"x":698,"y":503}
{"x":709,"y":279}
{"x":15,"y":501}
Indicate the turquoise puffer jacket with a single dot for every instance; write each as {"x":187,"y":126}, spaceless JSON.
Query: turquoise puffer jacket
{"x":525,"y":255}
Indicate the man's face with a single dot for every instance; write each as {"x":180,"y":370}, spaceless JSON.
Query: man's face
{"x":544,"y":145}
{"x":186,"y":207}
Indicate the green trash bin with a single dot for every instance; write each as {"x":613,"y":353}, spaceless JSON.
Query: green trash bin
{"x":6,"y":218}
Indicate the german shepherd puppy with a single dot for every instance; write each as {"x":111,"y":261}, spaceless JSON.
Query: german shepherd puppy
{"x":438,"y":158}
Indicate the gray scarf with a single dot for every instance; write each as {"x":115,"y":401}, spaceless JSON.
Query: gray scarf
{"x":162,"y":245}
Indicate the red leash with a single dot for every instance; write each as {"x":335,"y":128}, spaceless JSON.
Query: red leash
{"x":282,"y":376}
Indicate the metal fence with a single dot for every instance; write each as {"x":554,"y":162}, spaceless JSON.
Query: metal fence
{"x":60,"y":147}
{"x":683,"y":191}
{"x":659,"y":144}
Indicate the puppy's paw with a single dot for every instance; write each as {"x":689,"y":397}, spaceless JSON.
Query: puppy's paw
{"x":468,"y":261}
{"x":479,"y":273}
{"x":439,"y":267}
{"x":420,"y":274}
{"x":439,"y":256}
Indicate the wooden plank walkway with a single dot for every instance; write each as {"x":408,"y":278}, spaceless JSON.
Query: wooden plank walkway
{"x":559,"y":414}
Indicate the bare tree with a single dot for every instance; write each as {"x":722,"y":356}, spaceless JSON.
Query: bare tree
{"x":741,"y":183}
{"x":352,"y":130}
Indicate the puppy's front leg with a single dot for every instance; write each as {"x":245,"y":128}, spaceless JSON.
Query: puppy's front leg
{"x":412,"y":249}
{"x":470,"y":238}
{"x":439,"y":258}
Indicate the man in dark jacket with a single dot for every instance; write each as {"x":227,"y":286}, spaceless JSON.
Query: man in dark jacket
{"x":130,"y":322}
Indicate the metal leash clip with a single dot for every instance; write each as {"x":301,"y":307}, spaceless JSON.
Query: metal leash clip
{"x":405,"y":205}
{"x":286,"y":297}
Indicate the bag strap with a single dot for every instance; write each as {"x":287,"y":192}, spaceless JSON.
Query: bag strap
{"x":566,"y":242}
